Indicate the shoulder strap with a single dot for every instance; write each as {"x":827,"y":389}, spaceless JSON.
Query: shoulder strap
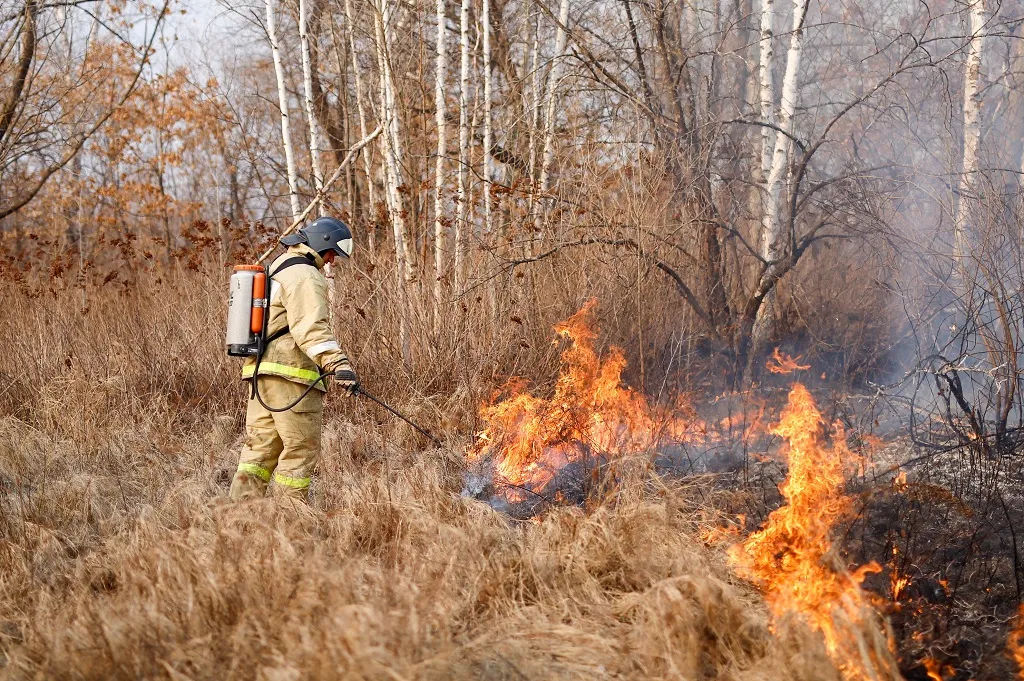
{"x":291,"y":262}
{"x":277,"y":334}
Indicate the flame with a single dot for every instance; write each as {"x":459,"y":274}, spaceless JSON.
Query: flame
{"x":781,"y":363}
{"x":897,"y":580}
{"x":1015,"y":644}
{"x":792,"y":558}
{"x":590,"y":415}
{"x":933,"y":669}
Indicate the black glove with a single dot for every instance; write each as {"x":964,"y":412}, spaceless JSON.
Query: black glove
{"x":345,"y":375}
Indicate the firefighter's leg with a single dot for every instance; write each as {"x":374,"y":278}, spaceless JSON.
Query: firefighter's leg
{"x":300,"y":433}
{"x":262,"y":447}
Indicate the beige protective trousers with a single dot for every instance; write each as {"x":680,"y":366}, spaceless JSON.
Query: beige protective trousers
{"x":284,"y":446}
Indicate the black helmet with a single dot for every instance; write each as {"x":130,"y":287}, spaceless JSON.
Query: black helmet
{"x":322,"y":235}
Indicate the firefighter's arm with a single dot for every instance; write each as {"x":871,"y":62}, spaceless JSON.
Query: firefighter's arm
{"x":309,"y":322}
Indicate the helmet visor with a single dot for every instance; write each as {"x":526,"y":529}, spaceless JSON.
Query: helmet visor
{"x":344,"y":247}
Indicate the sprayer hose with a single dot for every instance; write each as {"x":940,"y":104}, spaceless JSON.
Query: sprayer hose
{"x":291,"y":405}
{"x":256,"y":387}
{"x":357,"y":390}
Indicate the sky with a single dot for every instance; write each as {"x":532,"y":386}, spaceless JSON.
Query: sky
{"x":202,"y":31}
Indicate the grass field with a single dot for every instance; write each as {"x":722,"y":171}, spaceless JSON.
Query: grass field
{"x":121,"y":557}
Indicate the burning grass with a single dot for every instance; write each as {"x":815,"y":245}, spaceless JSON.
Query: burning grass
{"x":390,"y":575}
{"x":121,"y":559}
{"x":591,"y":418}
{"x":793,"y":558}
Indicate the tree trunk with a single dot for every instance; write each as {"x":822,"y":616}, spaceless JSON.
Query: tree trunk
{"x":972,"y":136}
{"x":766,"y":57}
{"x":393,"y":172}
{"x":534,"y":118}
{"x":440,"y":115}
{"x":314,"y":134}
{"x":461,"y":226}
{"x":282,"y":98}
{"x":487,"y":115}
{"x":371,"y":193}
{"x":307,"y":87}
{"x":28,"y":53}
{"x":550,"y":115}
{"x":773,"y":241}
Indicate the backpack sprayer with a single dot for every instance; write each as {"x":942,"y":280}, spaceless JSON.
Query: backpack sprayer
{"x":249,"y":303}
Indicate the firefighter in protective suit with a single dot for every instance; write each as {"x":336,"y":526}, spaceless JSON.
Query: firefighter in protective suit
{"x":285,"y":446}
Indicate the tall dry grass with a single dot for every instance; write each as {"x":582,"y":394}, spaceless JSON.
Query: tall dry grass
{"x":121,"y":558}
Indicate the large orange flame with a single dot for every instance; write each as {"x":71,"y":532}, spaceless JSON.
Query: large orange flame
{"x":792,"y":557}
{"x":591,"y":414}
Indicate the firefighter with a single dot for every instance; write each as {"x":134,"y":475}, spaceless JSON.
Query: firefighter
{"x":284,"y":446}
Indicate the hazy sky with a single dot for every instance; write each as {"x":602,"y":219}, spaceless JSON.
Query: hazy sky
{"x":203,"y":32}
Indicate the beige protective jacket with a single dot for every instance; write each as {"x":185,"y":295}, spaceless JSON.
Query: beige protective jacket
{"x":298,"y":300}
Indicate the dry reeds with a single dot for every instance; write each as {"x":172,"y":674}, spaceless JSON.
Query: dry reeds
{"x":121,"y":558}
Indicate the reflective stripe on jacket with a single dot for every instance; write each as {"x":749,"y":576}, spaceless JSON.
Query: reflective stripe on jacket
{"x":298,"y":300}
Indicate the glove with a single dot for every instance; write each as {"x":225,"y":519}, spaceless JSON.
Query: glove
{"x":345,"y":375}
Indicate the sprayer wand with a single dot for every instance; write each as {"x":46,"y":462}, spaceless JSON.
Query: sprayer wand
{"x":359,"y":390}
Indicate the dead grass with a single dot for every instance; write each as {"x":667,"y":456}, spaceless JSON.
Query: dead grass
{"x":392,"y":575}
{"x":121,"y":558}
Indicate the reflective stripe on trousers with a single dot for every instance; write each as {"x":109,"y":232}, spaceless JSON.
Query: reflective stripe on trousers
{"x":259,"y":471}
{"x":289,"y":481}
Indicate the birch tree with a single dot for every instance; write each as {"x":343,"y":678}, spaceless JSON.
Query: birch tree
{"x":773,"y":242}
{"x":972,"y":131}
{"x":307,"y":83}
{"x":360,"y":106}
{"x":534,"y":117}
{"x":440,"y":115}
{"x":766,"y":57}
{"x":463,"y":192}
{"x":549,"y":118}
{"x":314,"y":133}
{"x":487,"y":114}
{"x":282,"y":98}
{"x":392,"y":150}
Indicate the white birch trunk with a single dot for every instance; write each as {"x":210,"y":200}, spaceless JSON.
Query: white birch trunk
{"x":462,"y":215}
{"x":972,"y":131}
{"x":282,"y":97}
{"x":772,"y":239}
{"x":535,"y":102}
{"x":440,"y":116}
{"x":393,"y":171}
{"x":487,"y":115}
{"x":766,"y":57}
{"x":314,"y":132}
{"x":550,"y":116}
{"x":307,"y":87}
{"x":771,"y":226}
{"x":361,"y":109}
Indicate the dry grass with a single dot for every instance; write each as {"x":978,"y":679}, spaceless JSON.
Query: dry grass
{"x":121,"y":558}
